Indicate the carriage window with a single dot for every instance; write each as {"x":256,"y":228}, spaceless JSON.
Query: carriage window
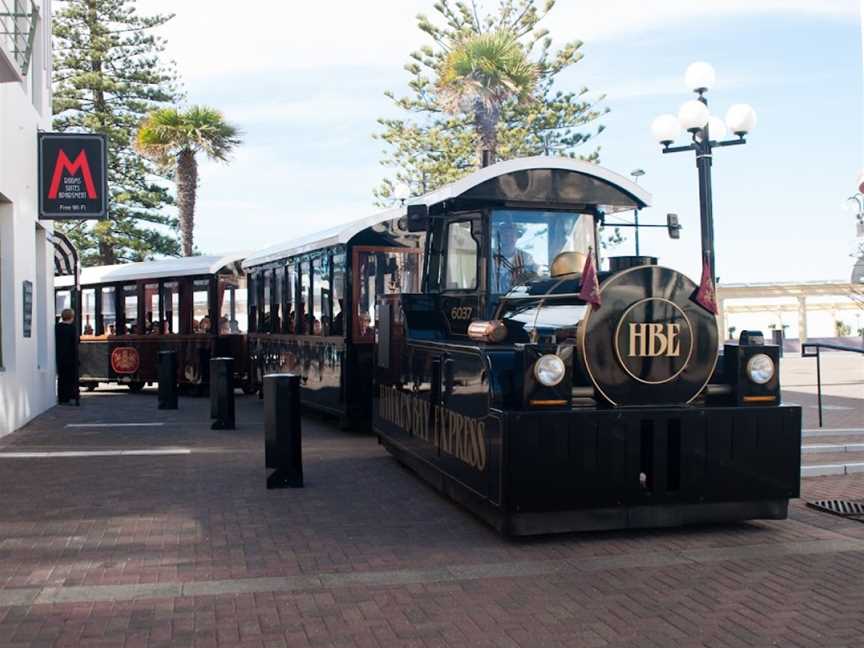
{"x":252,"y":296}
{"x":288,"y":299}
{"x":292,"y":295}
{"x":461,"y":257}
{"x":108,"y":326}
{"x":401,"y":272}
{"x":201,"y":307}
{"x":321,"y":296}
{"x":88,"y":311}
{"x":367,"y":290}
{"x":265,"y":291}
{"x":171,"y":300}
{"x":303,"y":302}
{"x":130,"y":309}
{"x":338,"y":326}
{"x":278,"y":298}
{"x":232,"y":305}
{"x":152,"y":314}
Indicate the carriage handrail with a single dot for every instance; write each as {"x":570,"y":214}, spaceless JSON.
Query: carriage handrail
{"x":806,"y":353}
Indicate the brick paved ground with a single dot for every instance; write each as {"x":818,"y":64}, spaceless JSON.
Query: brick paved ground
{"x":191,"y":550}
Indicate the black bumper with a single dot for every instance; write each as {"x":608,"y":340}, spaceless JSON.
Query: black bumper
{"x":622,"y":468}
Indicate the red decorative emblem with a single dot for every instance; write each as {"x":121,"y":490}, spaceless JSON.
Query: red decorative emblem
{"x":125,"y":360}
{"x":705,"y":296}
{"x":590,"y":291}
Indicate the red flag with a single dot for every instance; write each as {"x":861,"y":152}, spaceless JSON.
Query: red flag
{"x":590,"y":291}
{"x":705,"y":296}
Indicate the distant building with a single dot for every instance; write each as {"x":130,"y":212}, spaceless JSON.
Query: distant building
{"x":803,"y":309}
{"x":27,"y":374}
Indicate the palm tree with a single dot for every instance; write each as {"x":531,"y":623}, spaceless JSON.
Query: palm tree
{"x":479,"y":74}
{"x":172,"y":138}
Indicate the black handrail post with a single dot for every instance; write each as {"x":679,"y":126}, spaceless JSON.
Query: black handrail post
{"x":806,"y":353}
{"x":167,"y":398}
{"x":282,"y":439}
{"x":222,"y":393}
{"x":819,"y":382}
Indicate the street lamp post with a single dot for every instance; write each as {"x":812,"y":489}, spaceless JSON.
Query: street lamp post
{"x":636,"y":173}
{"x":706,"y":132}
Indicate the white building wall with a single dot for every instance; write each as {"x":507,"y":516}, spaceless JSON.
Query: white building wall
{"x":27,"y":376}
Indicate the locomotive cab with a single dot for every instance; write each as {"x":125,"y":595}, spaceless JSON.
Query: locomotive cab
{"x":502,"y":387}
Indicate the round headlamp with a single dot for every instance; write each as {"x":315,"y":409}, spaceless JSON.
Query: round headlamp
{"x":760,"y":368}
{"x":549,"y":370}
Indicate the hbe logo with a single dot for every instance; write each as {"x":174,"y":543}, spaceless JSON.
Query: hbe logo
{"x":653,"y":340}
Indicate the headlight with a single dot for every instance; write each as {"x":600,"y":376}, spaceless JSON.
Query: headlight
{"x":760,"y":368}
{"x":549,"y":370}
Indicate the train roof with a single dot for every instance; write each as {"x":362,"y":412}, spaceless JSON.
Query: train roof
{"x":160,"y":269}
{"x":336,"y":235}
{"x":531,"y":178}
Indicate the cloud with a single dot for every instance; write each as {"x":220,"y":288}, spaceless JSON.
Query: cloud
{"x":212,"y":40}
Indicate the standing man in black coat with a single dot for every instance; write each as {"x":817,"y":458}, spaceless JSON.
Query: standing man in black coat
{"x":66,"y":350}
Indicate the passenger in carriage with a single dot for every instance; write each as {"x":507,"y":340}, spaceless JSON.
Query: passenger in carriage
{"x":149,"y":327}
{"x":224,"y":328}
{"x":204,"y":325}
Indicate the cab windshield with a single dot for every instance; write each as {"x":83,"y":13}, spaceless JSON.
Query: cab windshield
{"x":530,"y":245}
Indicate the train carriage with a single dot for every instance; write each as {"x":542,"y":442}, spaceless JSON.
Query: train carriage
{"x":503,"y":388}
{"x":312,"y":308}
{"x":195,"y":306}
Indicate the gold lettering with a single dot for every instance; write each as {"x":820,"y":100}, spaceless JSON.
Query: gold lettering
{"x":637,"y":334}
{"x":672,"y":331}
{"x":652,"y":340}
{"x":655,"y":334}
{"x":453,"y":433}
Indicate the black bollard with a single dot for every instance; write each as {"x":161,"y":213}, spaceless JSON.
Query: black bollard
{"x":222,"y":393}
{"x":282,"y":441}
{"x":167,"y":380}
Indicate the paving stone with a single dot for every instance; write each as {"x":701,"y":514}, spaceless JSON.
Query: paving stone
{"x":143,"y":548}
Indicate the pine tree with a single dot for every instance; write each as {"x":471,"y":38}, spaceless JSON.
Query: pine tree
{"x":108,"y":74}
{"x":437,"y":143}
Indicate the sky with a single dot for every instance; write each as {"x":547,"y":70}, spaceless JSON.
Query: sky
{"x":305,"y":82}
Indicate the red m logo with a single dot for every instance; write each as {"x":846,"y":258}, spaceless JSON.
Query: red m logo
{"x":71,"y":168}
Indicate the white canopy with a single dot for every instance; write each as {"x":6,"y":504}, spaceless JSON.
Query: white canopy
{"x":341,"y":234}
{"x":161,"y":269}
{"x":455,"y":189}
{"x":336,"y":235}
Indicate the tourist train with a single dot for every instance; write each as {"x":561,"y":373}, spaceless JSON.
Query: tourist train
{"x":127,"y":313}
{"x":458,"y":325}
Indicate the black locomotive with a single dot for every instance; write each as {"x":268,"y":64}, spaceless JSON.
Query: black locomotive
{"x":504,"y":389}
{"x":456,"y":324}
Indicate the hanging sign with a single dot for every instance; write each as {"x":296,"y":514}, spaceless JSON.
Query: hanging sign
{"x":73,"y":176}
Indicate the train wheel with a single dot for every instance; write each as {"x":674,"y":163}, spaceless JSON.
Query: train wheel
{"x":136,"y":387}
{"x":90,"y":386}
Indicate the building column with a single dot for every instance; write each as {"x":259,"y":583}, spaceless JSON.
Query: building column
{"x":802,"y":318}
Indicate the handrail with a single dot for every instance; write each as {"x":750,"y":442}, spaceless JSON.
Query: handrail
{"x":827,"y":345}
{"x":818,"y":346}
